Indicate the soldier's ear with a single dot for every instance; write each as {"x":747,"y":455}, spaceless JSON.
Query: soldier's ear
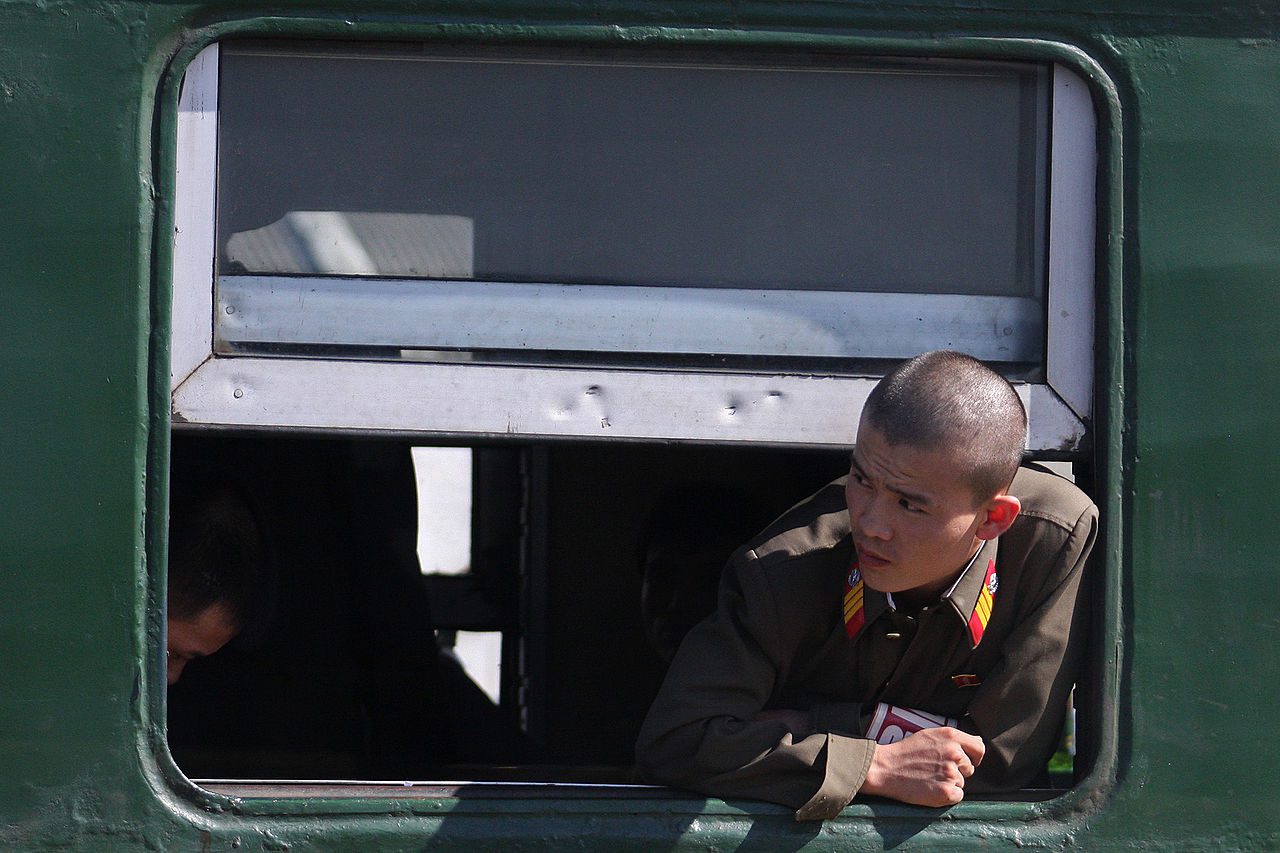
{"x":998,"y":515}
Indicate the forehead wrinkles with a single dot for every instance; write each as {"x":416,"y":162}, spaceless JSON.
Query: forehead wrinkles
{"x":898,"y":468}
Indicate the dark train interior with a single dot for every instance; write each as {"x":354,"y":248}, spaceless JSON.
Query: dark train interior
{"x":352,"y":676}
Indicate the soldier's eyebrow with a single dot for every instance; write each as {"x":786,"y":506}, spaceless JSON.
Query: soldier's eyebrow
{"x":918,"y":498}
{"x":913,"y":497}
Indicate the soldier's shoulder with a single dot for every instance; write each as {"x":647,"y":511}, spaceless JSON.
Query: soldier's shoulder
{"x":1048,"y":498}
{"x":815,"y":526}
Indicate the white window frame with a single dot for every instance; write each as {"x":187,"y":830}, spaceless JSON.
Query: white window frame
{"x":482,"y":401}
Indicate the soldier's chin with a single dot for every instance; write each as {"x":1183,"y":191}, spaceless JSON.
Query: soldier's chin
{"x":881,"y":584}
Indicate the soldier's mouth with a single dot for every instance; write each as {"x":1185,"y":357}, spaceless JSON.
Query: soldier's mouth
{"x":869,"y":559}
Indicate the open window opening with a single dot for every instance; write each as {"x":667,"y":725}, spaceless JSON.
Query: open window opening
{"x":580,"y":560}
{"x":581,"y":567}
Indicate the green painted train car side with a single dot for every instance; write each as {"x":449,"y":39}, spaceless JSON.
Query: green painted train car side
{"x":1187,"y":365}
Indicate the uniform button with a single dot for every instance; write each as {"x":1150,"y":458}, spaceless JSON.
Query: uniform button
{"x":893,"y":635}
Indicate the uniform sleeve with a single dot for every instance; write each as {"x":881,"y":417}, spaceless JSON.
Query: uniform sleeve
{"x":1019,"y":708}
{"x":698,"y":734}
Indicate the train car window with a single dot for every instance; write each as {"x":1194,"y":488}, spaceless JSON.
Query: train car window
{"x":477,"y":330}
{"x":746,"y":236}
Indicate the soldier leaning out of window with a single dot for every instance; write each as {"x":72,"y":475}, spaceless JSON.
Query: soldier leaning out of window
{"x":911,"y":631}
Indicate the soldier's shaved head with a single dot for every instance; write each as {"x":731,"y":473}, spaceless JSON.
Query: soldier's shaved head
{"x":952,"y":403}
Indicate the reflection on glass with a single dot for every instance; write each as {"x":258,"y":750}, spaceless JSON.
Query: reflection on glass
{"x":332,"y":242}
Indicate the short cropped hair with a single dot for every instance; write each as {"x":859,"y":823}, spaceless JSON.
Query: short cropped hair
{"x":217,"y":555}
{"x":951,"y":402}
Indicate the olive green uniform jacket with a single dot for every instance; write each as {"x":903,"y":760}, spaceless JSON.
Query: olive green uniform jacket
{"x":778,"y":640}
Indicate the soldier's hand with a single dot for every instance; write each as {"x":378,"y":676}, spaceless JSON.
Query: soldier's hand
{"x":927,"y":768}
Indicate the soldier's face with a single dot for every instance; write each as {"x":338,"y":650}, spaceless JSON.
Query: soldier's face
{"x":202,"y":635}
{"x":913,"y":516}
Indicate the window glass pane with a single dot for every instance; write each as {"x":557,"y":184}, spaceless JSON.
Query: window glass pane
{"x":800,"y":173}
{"x":652,"y":208}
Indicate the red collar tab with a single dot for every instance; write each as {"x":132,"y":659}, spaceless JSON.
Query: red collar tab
{"x":982,"y":608}
{"x":855,"y":615}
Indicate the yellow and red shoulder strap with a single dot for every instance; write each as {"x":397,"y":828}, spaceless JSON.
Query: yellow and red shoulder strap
{"x":854,"y":614}
{"x":982,"y":608}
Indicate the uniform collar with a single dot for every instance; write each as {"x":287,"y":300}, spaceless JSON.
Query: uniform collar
{"x":970,"y":597}
{"x":973,"y":594}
